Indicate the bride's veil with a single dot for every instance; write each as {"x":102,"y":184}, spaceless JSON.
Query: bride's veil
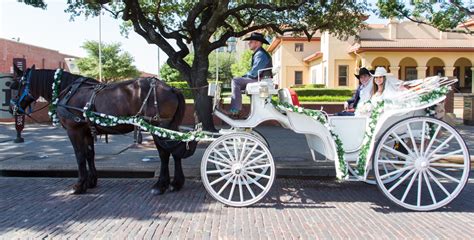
{"x":366,"y":92}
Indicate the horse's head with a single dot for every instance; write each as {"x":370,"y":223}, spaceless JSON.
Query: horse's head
{"x":24,"y":98}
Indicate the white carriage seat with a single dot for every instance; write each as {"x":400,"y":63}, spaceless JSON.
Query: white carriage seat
{"x":351,"y":131}
{"x":289,"y":96}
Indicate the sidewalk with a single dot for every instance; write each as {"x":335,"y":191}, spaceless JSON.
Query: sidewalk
{"x":48,"y":152}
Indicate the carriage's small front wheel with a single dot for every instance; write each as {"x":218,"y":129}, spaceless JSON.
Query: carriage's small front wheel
{"x":237,"y":169}
{"x":433,"y":169}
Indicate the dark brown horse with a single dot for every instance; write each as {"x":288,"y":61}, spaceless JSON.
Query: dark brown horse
{"x":160,"y":104}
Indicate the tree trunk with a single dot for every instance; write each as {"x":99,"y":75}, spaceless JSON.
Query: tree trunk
{"x":202,"y":102}
{"x":203,"y":106}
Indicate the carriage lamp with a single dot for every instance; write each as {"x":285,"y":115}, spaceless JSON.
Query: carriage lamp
{"x":263,"y":91}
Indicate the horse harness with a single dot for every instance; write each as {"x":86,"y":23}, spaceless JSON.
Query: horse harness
{"x":64,"y":109}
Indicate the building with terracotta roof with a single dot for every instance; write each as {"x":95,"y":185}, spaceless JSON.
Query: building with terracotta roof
{"x":408,"y":50}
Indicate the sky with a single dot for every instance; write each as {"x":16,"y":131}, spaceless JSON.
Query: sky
{"x":52,"y":29}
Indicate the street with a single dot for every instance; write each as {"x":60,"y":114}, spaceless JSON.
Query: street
{"x":294,"y":209}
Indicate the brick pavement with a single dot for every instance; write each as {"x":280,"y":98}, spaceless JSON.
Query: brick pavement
{"x":294,"y":209}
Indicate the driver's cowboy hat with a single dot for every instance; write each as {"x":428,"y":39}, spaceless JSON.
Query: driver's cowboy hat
{"x":257,"y":37}
{"x":363,"y":71}
{"x":380,"y":72}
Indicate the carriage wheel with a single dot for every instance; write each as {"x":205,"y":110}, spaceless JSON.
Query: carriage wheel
{"x":352,"y":166}
{"x":260,"y":137}
{"x":237,"y":169}
{"x":433,"y":171}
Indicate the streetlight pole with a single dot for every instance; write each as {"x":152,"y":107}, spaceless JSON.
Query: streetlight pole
{"x":159,"y":67}
{"x":100,"y":44}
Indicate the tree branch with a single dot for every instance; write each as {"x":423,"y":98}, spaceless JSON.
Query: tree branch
{"x":141,"y":25}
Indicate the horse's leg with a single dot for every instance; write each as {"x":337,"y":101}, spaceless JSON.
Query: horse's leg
{"x":178,"y":180}
{"x":164,"y":179}
{"x":90,"y":156}
{"x":80,"y":149}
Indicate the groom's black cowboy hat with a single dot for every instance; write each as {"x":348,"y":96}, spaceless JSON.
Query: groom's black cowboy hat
{"x":363,"y":71}
{"x":258,"y":37}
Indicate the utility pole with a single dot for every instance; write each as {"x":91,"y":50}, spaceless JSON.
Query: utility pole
{"x":100,"y":44}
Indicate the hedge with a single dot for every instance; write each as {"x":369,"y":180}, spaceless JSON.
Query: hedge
{"x":322,"y":92}
{"x":323,"y":98}
{"x":183,"y":86}
{"x":317,"y":85}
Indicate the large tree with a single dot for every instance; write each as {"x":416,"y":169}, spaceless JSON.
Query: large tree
{"x":208,"y":24}
{"x":116,"y":64}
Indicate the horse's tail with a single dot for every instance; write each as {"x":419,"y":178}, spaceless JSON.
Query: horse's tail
{"x":180,"y":111}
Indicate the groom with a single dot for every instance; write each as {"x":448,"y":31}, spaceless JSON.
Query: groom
{"x":351,"y":104}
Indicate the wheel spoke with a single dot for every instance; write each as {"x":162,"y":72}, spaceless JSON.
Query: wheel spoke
{"x":433,"y":138}
{"x":218,"y":171}
{"x":220,"y":179}
{"x":402,"y":142}
{"x":409,"y":187}
{"x":250,"y":189}
{"x":244,"y":145}
{"x":395,"y":152}
{"x":428,"y":184}
{"x":218,"y":163}
{"x":422,"y":137}
{"x":449,"y":165}
{"x":393,"y":161}
{"x":241,"y":191}
{"x":259,"y":175}
{"x":255,"y":159}
{"x":418,"y":199}
{"x":225,"y":185}
{"x":231,"y":191}
{"x":223,"y":158}
{"x":255,"y":182}
{"x":435,"y":179}
{"x":236,"y":151}
{"x":395,"y":172}
{"x":228,"y":152}
{"x":440,"y":146}
{"x":401,"y":180}
{"x":250,"y":153}
{"x":385,"y":168}
{"x":258,"y":166}
{"x":446,"y":155}
{"x":444,"y":174}
{"x":412,"y":139}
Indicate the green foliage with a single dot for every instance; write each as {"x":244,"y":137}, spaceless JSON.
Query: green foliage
{"x":313,"y":85}
{"x":169,"y":74}
{"x":183,"y":86}
{"x":225,"y":61}
{"x":323,"y":98}
{"x":445,"y":16}
{"x":242,"y":66}
{"x":303,"y":92}
{"x":116,"y":65}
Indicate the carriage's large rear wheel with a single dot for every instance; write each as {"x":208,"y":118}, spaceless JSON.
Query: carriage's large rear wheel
{"x":433,"y":170}
{"x":237,"y":169}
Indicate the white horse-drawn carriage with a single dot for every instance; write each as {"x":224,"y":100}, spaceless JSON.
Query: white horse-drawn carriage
{"x":419,"y":162}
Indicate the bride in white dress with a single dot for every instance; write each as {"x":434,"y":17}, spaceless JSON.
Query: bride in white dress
{"x":384,"y":87}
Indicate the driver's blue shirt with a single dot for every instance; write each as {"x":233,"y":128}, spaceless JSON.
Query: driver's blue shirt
{"x":260,"y":60}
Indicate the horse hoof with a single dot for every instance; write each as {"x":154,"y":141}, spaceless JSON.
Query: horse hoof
{"x":175,"y":188}
{"x":155,"y":191}
{"x":77,"y":189}
{"x":92,"y":184}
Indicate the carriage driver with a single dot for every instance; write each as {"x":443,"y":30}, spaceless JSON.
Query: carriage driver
{"x":260,"y":60}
